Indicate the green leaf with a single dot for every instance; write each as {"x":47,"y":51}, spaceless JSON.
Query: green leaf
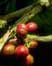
{"x":44,"y":20}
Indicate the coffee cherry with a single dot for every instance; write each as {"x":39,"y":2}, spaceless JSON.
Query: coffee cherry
{"x":9,"y":49}
{"x":21,"y":30}
{"x":31,"y":26}
{"x":21,"y":51}
{"x":33,"y":44}
{"x":29,"y":60}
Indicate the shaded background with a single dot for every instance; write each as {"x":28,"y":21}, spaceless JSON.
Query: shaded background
{"x":43,"y":52}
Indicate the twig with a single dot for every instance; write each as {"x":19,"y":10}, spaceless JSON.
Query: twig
{"x":39,"y":38}
{"x":30,"y":14}
{"x":17,"y":13}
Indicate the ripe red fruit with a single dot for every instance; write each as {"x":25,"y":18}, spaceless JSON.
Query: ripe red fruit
{"x":21,"y":30}
{"x":31,"y":27}
{"x":33,"y":44}
{"x":29,"y":60}
{"x":21,"y":51}
{"x":8,"y":49}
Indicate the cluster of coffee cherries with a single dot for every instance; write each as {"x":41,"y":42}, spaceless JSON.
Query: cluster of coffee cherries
{"x":17,"y":45}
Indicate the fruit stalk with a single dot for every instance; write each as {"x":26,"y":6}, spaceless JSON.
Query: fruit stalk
{"x":16,"y":13}
{"x":47,"y":38}
{"x":30,"y":14}
{"x":5,"y":38}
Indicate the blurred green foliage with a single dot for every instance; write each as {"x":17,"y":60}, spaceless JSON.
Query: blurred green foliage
{"x":7,"y":6}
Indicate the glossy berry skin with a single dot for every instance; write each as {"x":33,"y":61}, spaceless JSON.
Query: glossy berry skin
{"x":21,"y":51}
{"x":31,"y":26}
{"x":8,"y":49}
{"x":29,"y":60}
{"x":21,"y":30}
